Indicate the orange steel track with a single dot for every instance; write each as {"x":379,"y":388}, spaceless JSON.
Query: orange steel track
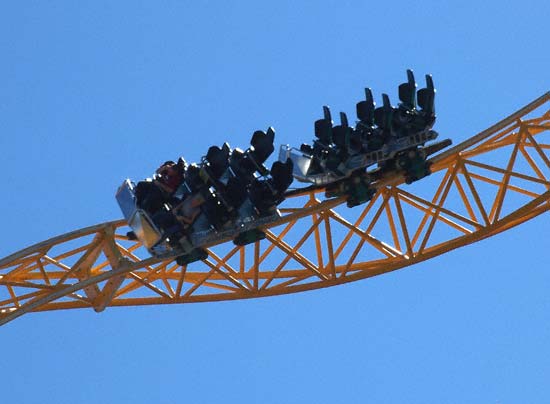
{"x":488,"y":184}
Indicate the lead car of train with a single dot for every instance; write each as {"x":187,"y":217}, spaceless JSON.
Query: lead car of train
{"x":231,"y":194}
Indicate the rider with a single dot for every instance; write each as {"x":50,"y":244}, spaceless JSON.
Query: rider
{"x":169,"y":176}
{"x":151,"y":195}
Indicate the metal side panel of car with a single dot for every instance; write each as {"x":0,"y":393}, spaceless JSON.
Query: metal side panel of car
{"x":144,"y":229}
{"x":126,"y":199}
{"x":140,"y":222}
{"x":301,"y":162}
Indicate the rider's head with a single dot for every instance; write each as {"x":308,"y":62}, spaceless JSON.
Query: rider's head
{"x":169,"y":174}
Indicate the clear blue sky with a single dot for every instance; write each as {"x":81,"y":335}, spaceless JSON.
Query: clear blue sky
{"x":92,"y":92}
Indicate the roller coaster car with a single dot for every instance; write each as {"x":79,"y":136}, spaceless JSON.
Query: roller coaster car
{"x":394,"y":138}
{"x":229,"y":195}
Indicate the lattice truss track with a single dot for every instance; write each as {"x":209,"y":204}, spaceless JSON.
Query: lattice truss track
{"x":486,"y":185}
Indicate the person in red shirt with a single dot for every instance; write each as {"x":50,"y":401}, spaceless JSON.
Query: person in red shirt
{"x":169,"y":176}
{"x":151,"y":195}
